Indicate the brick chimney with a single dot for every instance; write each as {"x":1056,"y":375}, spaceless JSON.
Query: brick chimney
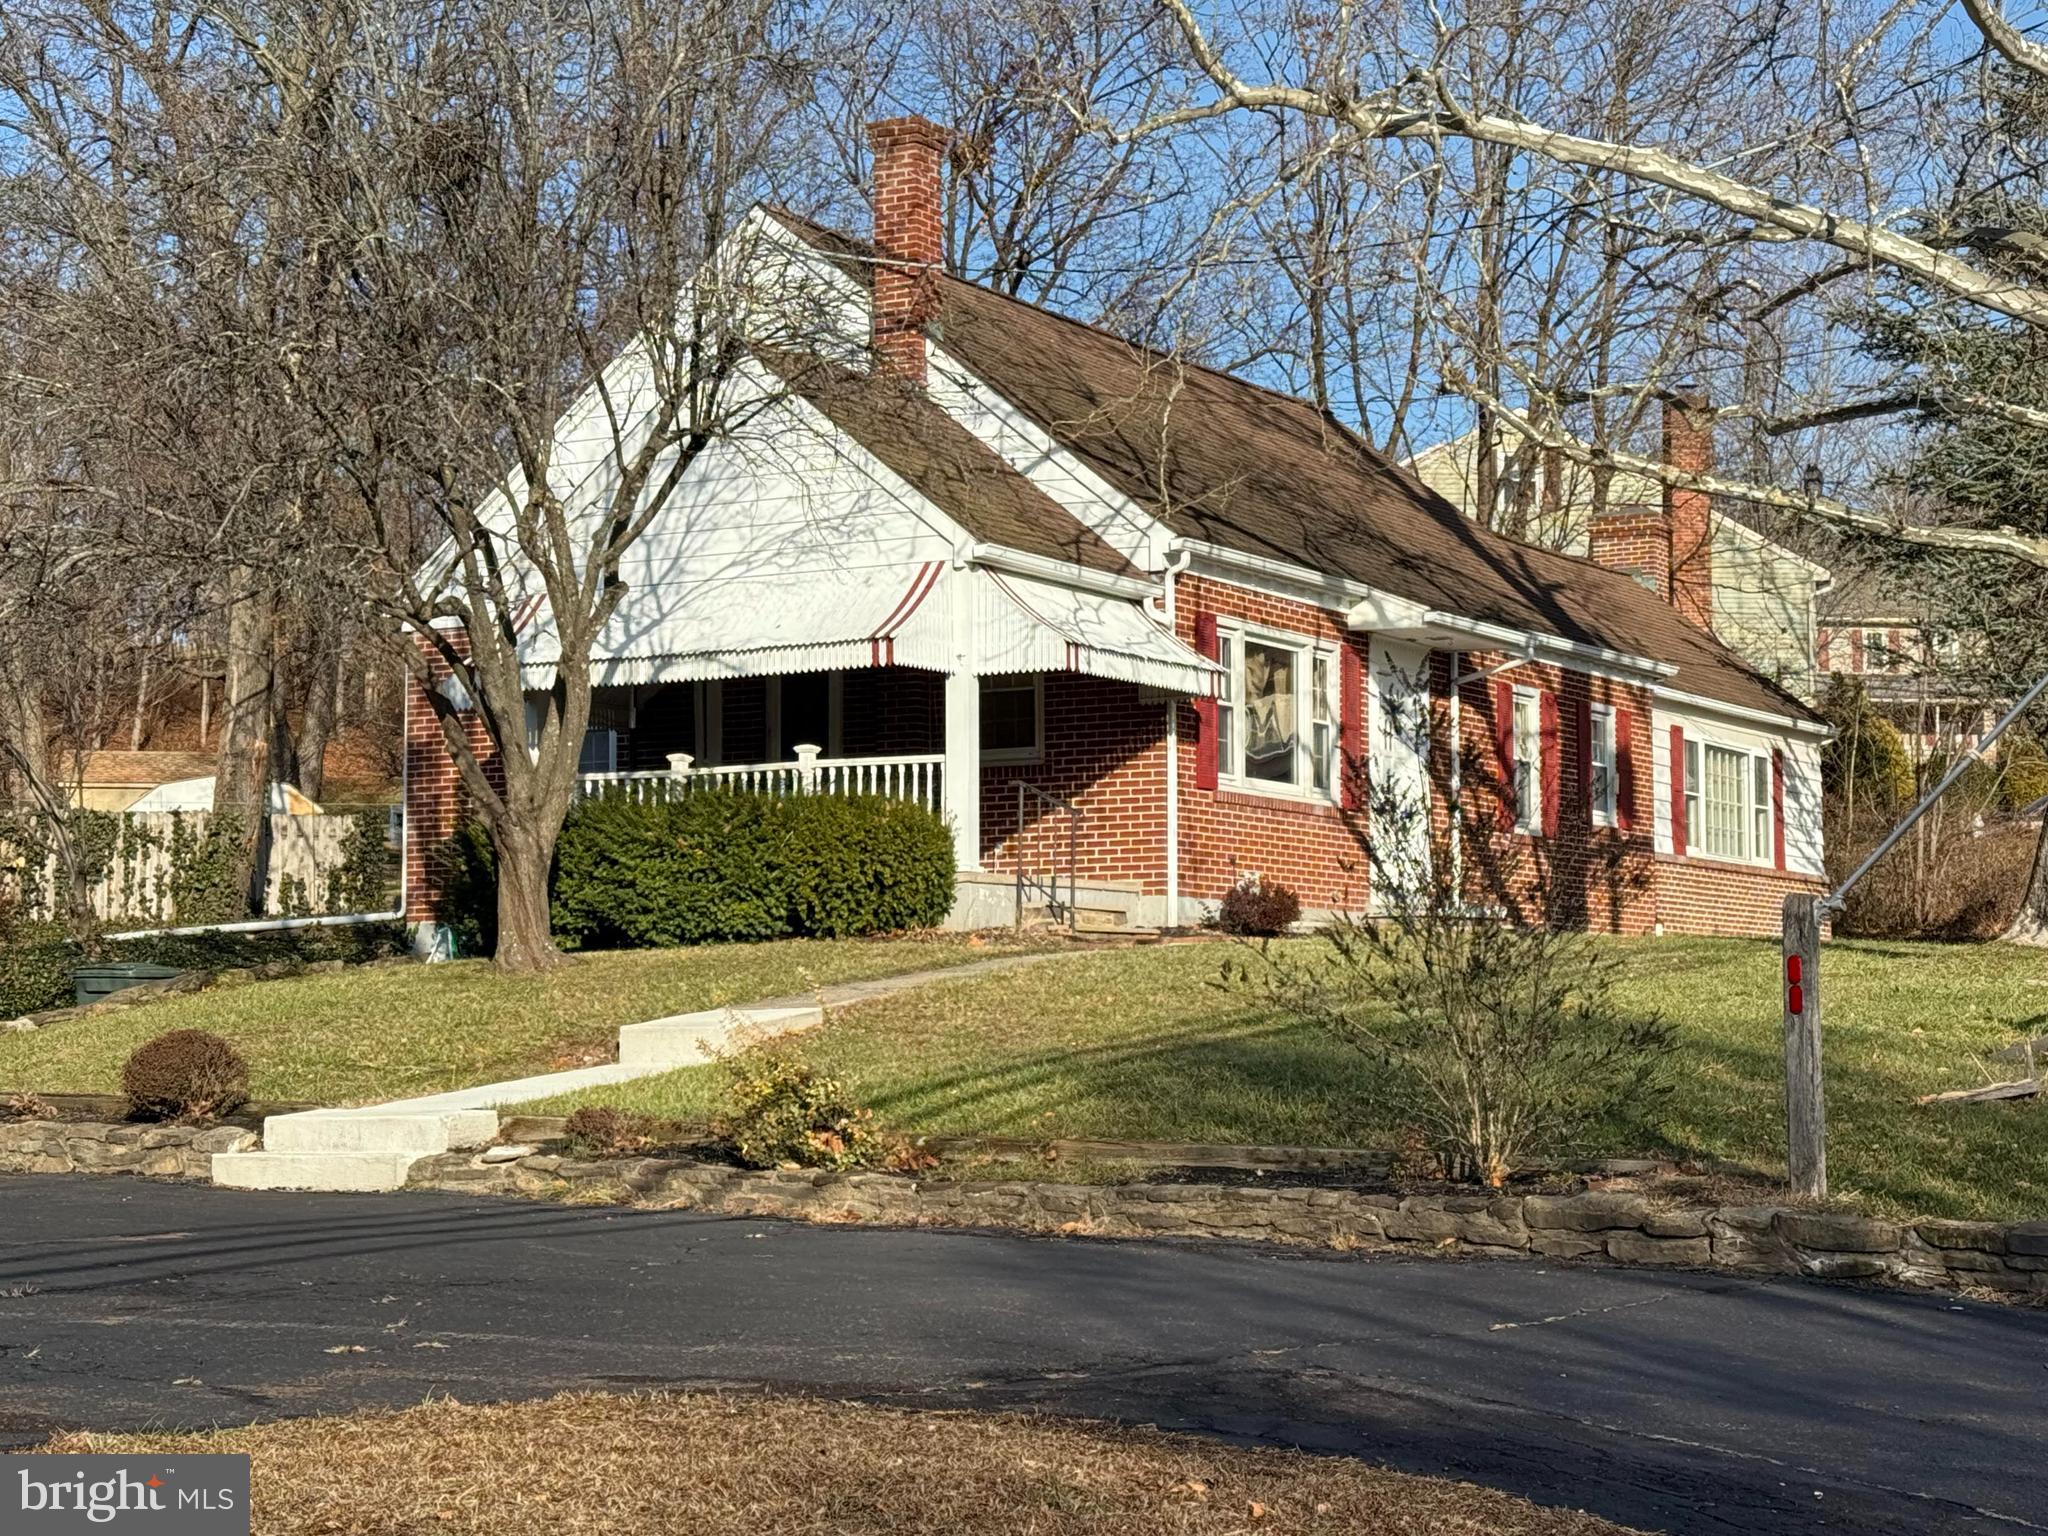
{"x":909,"y":239}
{"x":1670,"y":550}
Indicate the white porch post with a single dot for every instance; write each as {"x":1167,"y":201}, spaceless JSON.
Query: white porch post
{"x":963,"y":726}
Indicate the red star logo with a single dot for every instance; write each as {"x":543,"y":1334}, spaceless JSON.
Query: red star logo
{"x":155,"y":1482}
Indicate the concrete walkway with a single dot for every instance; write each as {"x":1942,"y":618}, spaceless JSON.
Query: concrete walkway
{"x":373,"y":1147}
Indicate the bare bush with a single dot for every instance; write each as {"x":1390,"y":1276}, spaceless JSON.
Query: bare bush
{"x":187,"y":1074}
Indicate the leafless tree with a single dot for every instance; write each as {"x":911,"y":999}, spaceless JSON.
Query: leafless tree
{"x":370,"y":255}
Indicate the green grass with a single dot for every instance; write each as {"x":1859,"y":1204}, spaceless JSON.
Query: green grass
{"x":1138,"y":1045}
{"x":362,"y":1035}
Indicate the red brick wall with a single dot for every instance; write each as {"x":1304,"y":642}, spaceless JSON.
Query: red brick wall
{"x":1601,"y":878}
{"x":1705,"y":896}
{"x":1104,"y":750}
{"x":1317,"y":849}
{"x":892,"y":712}
{"x":434,"y":796}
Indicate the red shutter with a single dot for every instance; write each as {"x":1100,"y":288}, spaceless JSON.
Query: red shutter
{"x":1504,"y":747}
{"x":1624,"y":769}
{"x":1553,"y":787}
{"x":1583,"y":725}
{"x":1205,"y":708}
{"x":1679,"y":837}
{"x":1350,"y":726}
{"x":1778,"y":805}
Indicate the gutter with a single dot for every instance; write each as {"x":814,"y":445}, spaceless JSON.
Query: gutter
{"x":1065,"y":573}
{"x":1790,"y":724}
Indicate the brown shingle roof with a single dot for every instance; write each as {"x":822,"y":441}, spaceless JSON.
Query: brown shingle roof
{"x":945,"y":463}
{"x":1230,"y":463}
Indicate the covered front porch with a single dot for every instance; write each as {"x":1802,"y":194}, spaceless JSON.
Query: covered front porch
{"x":929,"y":684}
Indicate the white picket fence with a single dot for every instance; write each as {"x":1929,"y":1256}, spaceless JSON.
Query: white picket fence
{"x":140,"y":873}
{"x":918,"y":779}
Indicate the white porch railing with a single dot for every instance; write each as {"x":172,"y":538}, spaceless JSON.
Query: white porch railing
{"x":917,"y":779}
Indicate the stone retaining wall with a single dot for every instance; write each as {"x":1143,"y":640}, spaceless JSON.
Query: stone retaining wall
{"x":82,"y":1146}
{"x":1608,"y":1225}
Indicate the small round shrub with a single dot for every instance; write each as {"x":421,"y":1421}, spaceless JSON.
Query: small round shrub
{"x":187,"y":1074}
{"x":1256,"y":908}
{"x":782,"y":1111}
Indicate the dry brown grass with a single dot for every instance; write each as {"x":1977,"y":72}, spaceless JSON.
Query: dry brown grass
{"x":751,"y":1466}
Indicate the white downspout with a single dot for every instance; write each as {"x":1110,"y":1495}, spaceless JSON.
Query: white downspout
{"x":1457,"y":807}
{"x":1176,"y":563}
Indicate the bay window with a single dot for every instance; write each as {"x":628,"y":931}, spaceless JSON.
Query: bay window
{"x":1277,"y":712}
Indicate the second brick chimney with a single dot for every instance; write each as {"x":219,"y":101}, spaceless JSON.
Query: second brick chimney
{"x":1670,"y":550}
{"x":909,"y":240}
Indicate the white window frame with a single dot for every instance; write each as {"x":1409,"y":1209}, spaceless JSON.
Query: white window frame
{"x":1528,"y":770}
{"x":1603,"y":804}
{"x":1017,"y":683}
{"x":1755,"y":811}
{"x":1311,"y":655}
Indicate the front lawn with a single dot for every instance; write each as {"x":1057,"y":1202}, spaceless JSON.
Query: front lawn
{"x":596,"y":1465}
{"x":1140,"y":1045}
{"x":359,"y":1036}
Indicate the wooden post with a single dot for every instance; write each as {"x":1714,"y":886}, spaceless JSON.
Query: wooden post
{"x":1806,"y":1144}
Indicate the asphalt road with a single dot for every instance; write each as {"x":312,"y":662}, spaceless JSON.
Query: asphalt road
{"x":1672,"y":1402}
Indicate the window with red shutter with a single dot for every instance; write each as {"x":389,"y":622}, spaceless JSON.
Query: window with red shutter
{"x":1205,"y":708}
{"x":1681,"y":789}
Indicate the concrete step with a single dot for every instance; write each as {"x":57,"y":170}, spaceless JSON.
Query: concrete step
{"x":691,"y":1039}
{"x":388,"y":1129}
{"x":1101,"y":919}
{"x":350,"y":1171}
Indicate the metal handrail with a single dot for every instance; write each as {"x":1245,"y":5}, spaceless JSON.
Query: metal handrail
{"x":1052,"y":889}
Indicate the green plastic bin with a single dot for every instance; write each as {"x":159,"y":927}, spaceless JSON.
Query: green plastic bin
{"x":94,"y":983}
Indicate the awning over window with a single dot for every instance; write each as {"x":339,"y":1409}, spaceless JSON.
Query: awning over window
{"x":883,"y":616}
{"x":1024,"y":624}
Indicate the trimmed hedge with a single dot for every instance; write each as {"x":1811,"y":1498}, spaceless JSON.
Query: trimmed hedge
{"x":719,"y":864}
{"x":35,"y":969}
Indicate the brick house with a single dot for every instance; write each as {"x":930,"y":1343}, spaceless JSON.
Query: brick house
{"x":1145,"y":628}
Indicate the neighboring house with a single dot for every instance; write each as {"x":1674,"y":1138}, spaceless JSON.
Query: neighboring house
{"x":1889,"y":646}
{"x":1008,"y":563}
{"x":1766,"y":597}
{"x":164,"y":781}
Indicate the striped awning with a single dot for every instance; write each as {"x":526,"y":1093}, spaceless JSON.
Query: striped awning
{"x":814,"y":621}
{"x":1026,"y":624}
{"x":823,"y":621}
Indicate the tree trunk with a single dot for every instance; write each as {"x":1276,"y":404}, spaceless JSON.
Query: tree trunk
{"x":241,"y":775}
{"x":316,"y":721}
{"x":526,"y":941}
{"x":2030,"y":926}
{"x":141,"y":705}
